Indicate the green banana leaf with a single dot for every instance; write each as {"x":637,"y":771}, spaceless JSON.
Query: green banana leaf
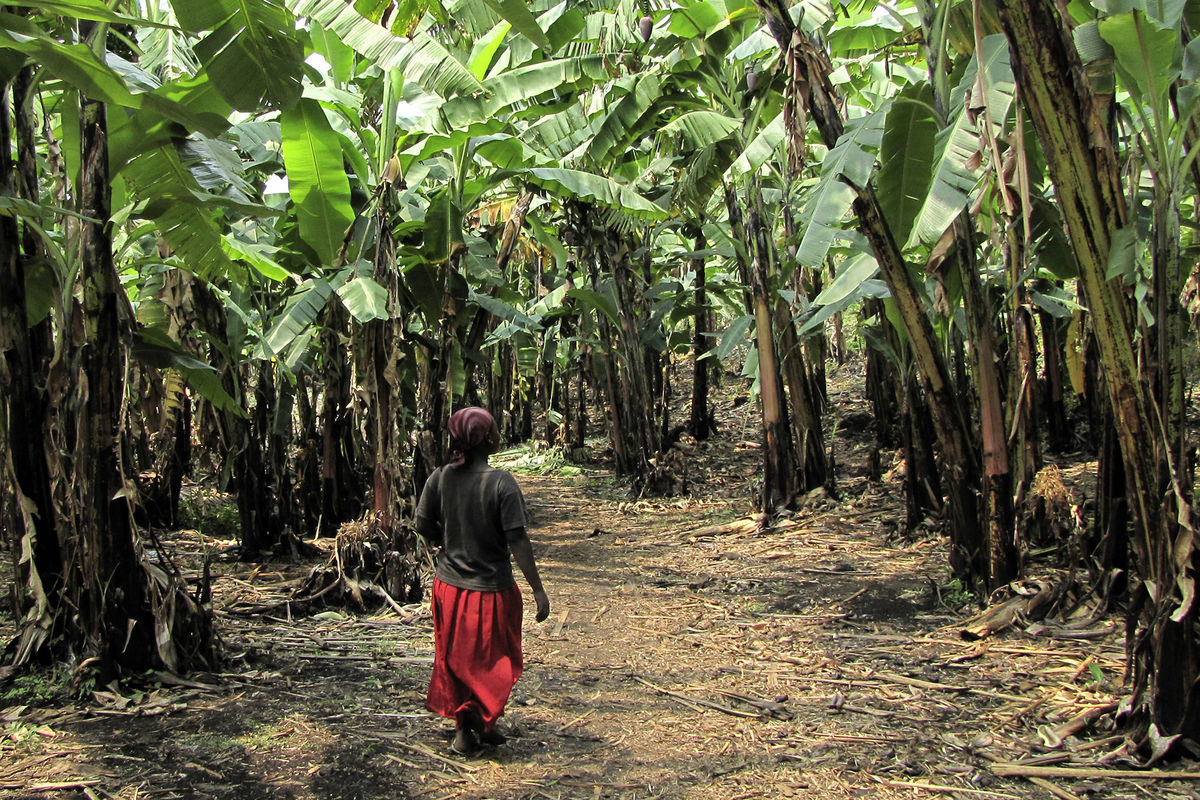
{"x":181,"y":209}
{"x":365,"y":299}
{"x":422,"y":59}
{"x":998,"y":79}
{"x":484,"y":51}
{"x":586,"y":185}
{"x":96,"y":10}
{"x":1056,"y":302}
{"x":690,"y":19}
{"x":251,"y":52}
{"x":340,"y":56}
{"x":504,"y":151}
{"x":75,"y":64}
{"x":906,"y":158}
{"x":853,"y":282}
{"x":548,"y":239}
{"x":521,"y":85}
{"x":1149,"y":55}
{"x":623,"y":120}
{"x":597,"y":301}
{"x":698,"y":129}
{"x":733,"y":336}
{"x":505,"y":311}
{"x":761,"y":148}
{"x":955,"y":174}
{"x":523,"y":21}
{"x":561,"y":133}
{"x":317,"y":181}
{"x":258,"y":255}
{"x":301,"y":311}
{"x":1164,"y":13}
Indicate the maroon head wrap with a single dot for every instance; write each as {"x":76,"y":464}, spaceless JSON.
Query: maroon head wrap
{"x":472,"y":431}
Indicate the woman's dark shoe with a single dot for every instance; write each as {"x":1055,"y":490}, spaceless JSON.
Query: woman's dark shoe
{"x":464,"y":743}
{"x":474,"y":722}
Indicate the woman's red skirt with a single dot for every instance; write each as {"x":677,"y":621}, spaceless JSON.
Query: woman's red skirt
{"x":476,"y":651}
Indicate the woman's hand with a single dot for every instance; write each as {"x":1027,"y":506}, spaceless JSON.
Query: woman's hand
{"x":543,"y":605}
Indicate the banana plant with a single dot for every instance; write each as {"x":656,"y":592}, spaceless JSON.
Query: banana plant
{"x":1084,"y":166}
{"x":106,"y":112}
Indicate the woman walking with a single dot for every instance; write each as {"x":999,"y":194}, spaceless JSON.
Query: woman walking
{"x":476,"y":515}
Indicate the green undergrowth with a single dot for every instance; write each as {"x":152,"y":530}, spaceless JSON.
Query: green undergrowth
{"x":35,"y":688}
{"x":211,"y":512}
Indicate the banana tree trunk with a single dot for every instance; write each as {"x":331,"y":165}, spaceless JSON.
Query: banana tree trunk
{"x":570,"y":339}
{"x":882,"y":384}
{"x":548,"y":379}
{"x":383,"y":350}
{"x":1023,"y":417}
{"x":579,"y":430}
{"x":107,"y":589}
{"x":816,"y":347}
{"x":779,"y":490}
{"x":172,"y":459}
{"x":603,"y":363}
{"x":903,"y":419}
{"x":1170,"y":326}
{"x":340,"y":495}
{"x":238,"y":447}
{"x":839,"y":335}
{"x":1058,"y":427}
{"x":251,"y":473}
{"x":922,"y":479}
{"x":804,"y":369}
{"x":1086,"y":173}
{"x":39,"y":568}
{"x":636,"y":396}
{"x":1001,"y":562}
{"x":701,"y":420}
{"x":500,"y":387}
{"x":41,"y":335}
{"x":812,"y":468}
{"x":308,"y":462}
{"x":1108,"y":542}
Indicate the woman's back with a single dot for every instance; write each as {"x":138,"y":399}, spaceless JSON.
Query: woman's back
{"x":474,"y":505}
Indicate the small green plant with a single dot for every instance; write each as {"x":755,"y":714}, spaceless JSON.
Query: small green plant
{"x":86,"y":686}
{"x":953,"y":594}
{"x":210,"y":512}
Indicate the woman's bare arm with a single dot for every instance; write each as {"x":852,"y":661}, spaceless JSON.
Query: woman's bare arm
{"x":522,"y":552}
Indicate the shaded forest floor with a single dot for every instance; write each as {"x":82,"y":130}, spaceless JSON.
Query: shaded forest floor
{"x":687,"y":656}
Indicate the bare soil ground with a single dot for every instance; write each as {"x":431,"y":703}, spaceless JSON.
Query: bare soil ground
{"x":687,"y":656}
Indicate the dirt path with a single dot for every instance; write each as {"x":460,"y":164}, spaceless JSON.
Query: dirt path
{"x":680,"y":661}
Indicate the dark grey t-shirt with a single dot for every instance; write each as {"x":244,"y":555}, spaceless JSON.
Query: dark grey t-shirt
{"x":472,"y":506}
